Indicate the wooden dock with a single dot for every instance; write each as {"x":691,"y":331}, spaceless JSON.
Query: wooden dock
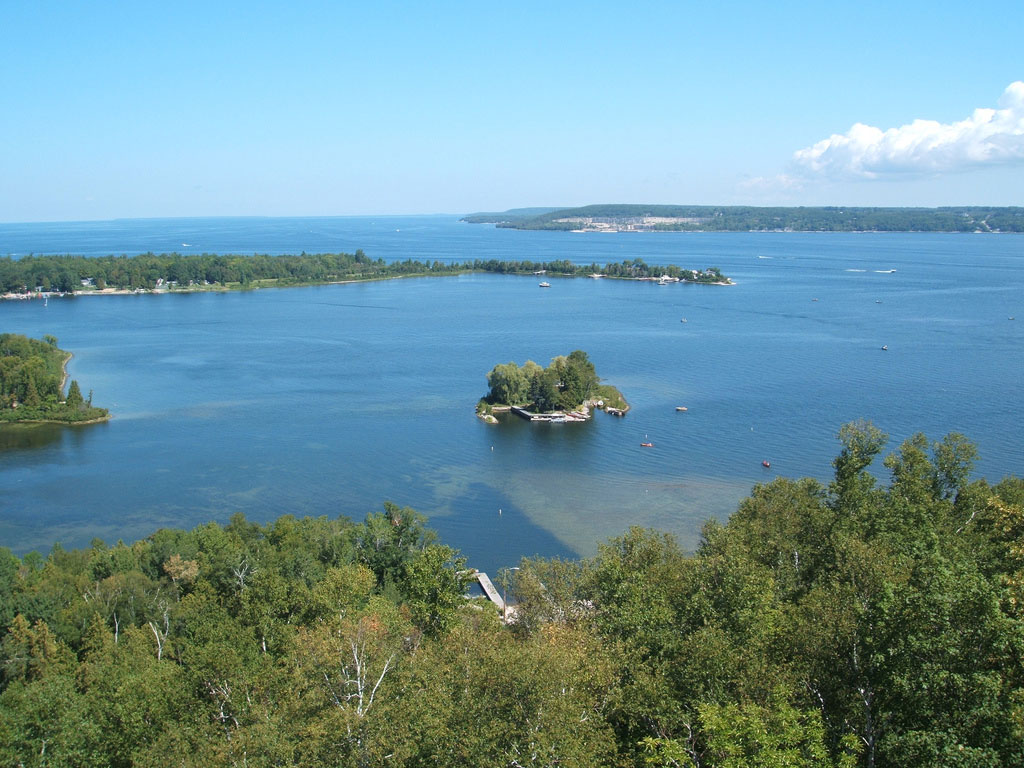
{"x":553,"y":417}
{"x":490,"y":590}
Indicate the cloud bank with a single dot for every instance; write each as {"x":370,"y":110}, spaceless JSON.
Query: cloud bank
{"x":989,"y":137}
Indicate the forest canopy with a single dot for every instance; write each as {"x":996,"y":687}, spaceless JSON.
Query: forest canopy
{"x":858,"y":623}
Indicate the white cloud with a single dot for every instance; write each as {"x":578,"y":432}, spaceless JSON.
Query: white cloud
{"x":988,"y":137}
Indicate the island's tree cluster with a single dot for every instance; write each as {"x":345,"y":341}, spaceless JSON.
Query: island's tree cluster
{"x":630,"y":269}
{"x":854,"y":624}
{"x":567,"y":384}
{"x":31,"y":374}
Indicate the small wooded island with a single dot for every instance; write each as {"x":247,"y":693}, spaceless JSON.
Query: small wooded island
{"x":567,"y":390}
{"x":32,"y":378}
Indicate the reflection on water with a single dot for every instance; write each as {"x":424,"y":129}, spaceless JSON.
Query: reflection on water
{"x":22,"y":437}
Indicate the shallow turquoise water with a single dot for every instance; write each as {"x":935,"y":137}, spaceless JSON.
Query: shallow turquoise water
{"x":329,"y":400}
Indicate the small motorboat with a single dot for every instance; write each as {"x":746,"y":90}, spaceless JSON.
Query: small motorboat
{"x":545,"y":284}
{"x":885,"y":347}
{"x":680,"y":407}
{"x":647,"y":445}
{"x":766,"y":464}
{"x":683,"y":320}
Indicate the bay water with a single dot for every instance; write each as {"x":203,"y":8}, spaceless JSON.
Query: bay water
{"x":330,"y":400}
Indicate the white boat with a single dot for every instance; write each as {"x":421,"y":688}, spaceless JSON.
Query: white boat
{"x":545,"y":284}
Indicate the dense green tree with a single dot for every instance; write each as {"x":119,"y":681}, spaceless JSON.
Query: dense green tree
{"x":509,"y":384}
{"x":434,"y":588}
{"x":74,"y":398}
{"x":31,"y":398}
{"x":544,"y":392}
{"x":578,"y":379}
{"x":386,"y":541}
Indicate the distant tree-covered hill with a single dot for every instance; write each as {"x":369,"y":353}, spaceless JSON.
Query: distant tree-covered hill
{"x":727,"y":218}
{"x":511,"y":213}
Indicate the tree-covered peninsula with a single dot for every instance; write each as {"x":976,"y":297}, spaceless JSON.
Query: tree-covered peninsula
{"x":742,"y":218}
{"x":32,"y":378}
{"x":568,"y":387}
{"x":856,"y":624}
{"x":173,"y":272}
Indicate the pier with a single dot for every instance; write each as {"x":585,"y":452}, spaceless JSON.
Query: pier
{"x":490,"y":590}
{"x":555,"y":416}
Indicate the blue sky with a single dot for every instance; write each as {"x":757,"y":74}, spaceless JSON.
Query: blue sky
{"x":203,"y":109}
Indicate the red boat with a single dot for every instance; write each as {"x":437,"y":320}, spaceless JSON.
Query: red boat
{"x":647,"y":445}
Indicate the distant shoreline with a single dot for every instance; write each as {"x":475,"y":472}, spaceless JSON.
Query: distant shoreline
{"x":615,"y":217}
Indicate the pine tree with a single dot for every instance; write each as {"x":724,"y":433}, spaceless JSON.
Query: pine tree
{"x":32,"y":399}
{"x":74,"y":395}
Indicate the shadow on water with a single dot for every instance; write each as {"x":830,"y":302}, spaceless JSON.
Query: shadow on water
{"x":491,"y":539}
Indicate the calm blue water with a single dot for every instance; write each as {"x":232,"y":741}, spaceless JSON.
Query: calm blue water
{"x":330,"y":400}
